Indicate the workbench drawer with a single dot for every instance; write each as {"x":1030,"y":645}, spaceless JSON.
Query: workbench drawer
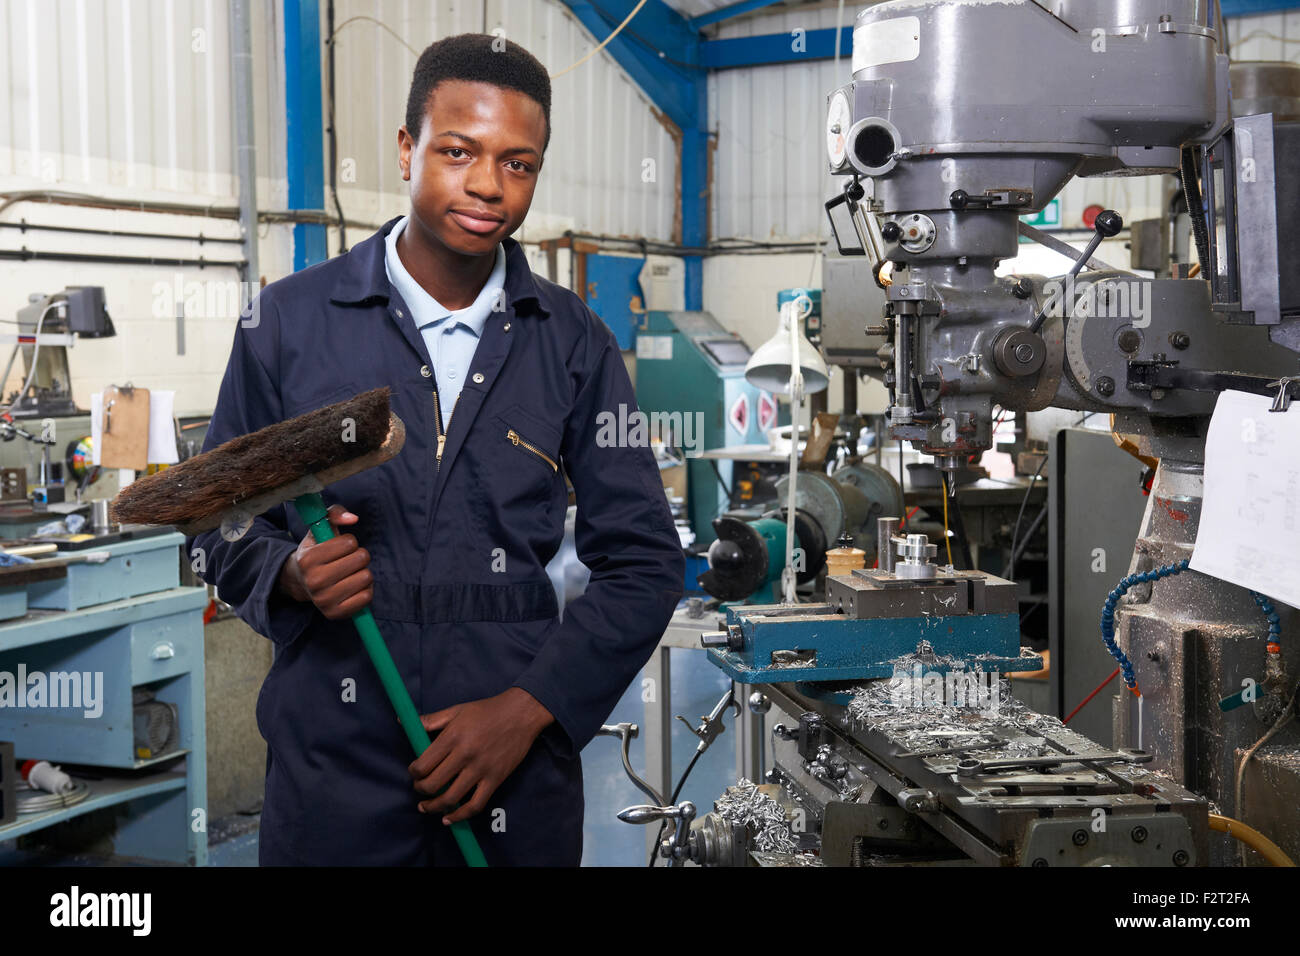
{"x":164,"y":653}
{"x":13,"y":601}
{"x":165,"y":647}
{"x":134,"y":568}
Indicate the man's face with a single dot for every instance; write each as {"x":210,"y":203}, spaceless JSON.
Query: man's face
{"x":474,"y":168}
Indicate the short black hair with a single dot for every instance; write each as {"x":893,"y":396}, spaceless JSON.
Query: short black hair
{"x":477,"y":58}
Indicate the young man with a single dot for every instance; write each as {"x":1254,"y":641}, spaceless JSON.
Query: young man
{"x":501,"y":378}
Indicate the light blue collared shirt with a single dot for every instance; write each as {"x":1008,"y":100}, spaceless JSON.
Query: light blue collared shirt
{"x":450,"y":344}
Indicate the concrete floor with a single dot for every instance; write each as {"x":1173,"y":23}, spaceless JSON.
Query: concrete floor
{"x":696,"y":687}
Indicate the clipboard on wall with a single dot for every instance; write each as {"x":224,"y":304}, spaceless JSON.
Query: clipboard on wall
{"x":125,"y":428}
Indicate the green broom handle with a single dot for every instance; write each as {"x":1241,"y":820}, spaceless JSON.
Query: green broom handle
{"x":312,"y":511}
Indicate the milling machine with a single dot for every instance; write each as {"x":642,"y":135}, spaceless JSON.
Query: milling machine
{"x":961,"y":117}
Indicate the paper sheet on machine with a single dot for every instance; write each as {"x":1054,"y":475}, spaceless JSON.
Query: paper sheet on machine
{"x":1251,"y":512}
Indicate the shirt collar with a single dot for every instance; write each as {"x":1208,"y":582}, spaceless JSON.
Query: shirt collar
{"x":428,"y":309}
{"x":362,"y":276}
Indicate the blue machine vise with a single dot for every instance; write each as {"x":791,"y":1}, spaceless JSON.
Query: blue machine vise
{"x":871,"y":618}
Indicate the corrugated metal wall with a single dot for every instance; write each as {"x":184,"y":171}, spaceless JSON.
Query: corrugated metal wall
{"x":1272,"y":37}
{"x":136,"y":94}
{"x":603,"y":127}
{"x":132,"y":94}
{"x":770,"y":177}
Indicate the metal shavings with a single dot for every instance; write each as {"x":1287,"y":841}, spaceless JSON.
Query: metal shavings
{"x":1027,"y":747}
{"x":787,"y":859}
{"x":787,"y":659}
{"x":748,"y":806}
{"x":882,"y":705}
{"x":1286,"y":756}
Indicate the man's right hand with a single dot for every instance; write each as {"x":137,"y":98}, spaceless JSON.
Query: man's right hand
{"x":334,"y":575}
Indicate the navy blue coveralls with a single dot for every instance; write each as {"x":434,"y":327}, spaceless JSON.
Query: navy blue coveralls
{"x":458,"y":555}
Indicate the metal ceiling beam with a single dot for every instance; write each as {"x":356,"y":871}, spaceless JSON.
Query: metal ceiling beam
{"x":728,"y":12}
{"x":793,"y":47}
{"x":1241,"y":8}
{"x":659,"y":50}
{"x":656,"y":29}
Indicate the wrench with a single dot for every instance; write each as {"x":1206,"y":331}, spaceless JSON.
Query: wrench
{"x":955,"y":748}
{"x":970,"y":767}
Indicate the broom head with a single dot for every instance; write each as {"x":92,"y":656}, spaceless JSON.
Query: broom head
{"x":253,"y":473}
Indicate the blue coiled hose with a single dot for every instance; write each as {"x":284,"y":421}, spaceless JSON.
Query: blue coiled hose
{"x":1108,"y":614}
{"x":1168,"y":570}
{"x":1270,"y":612}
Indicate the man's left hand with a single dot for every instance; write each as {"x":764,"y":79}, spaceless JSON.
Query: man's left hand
{"x":478,"y":745}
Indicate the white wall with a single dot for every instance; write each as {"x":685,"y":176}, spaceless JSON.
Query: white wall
{"x":130,"y":100}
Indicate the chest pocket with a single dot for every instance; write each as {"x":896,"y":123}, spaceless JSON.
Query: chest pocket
{"x":518,"y":457}
{"x":526,"y":442}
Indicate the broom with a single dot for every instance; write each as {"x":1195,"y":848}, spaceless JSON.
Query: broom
{"x":290,"y":461}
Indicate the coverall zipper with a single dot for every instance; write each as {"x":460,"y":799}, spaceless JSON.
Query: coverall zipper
{"x":514,"y":437}
{"x":437,"y":417}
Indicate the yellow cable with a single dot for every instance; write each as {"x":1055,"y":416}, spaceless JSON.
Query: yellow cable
{"x":617,"y":30}
{"x":1252,"y":838}
{"x":383,"y":26}
{"x":943,"y":482}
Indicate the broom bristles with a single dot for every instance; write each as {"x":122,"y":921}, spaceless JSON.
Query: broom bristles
{"x":218,"y":480}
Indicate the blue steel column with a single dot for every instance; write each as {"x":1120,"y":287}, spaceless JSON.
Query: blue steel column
{"x":305,"y":125}
{"x":679,"y":89}
{"x":695,"y":197}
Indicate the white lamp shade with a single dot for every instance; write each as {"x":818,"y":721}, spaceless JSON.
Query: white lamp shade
{"x":769,"y":367}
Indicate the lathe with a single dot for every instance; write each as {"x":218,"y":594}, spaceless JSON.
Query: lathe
{"x":960,"y":118}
